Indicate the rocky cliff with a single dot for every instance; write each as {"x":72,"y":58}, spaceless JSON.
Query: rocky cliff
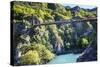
{"x":89,"y":53}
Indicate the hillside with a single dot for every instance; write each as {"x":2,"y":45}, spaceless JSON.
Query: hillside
{"x":40,"y":44}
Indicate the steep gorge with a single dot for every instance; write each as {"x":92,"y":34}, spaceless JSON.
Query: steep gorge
{"x":50,"y":40}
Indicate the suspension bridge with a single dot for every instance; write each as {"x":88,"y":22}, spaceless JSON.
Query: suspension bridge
{"x":60,"y":22}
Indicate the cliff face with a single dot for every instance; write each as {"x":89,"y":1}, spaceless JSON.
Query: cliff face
{"x":89,"y":54}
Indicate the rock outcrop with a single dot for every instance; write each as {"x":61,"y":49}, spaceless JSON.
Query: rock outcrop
{"x":89,"y":54}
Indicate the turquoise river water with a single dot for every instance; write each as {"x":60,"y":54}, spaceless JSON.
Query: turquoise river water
{"x":66,"y":58}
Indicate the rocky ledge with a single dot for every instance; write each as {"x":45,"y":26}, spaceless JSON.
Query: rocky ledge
{"x":89,"y":54}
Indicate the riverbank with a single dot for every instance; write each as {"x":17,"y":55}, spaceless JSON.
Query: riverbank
{"x":68,"y":56}
{"x":73,"y":51}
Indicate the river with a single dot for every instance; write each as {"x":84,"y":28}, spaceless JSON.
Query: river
{"x":66,"y":58}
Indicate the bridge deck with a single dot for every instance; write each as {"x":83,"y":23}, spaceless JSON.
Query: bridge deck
{"x":62,"y":22}
{"x":65,"y":22}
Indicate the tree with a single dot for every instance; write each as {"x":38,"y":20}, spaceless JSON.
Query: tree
{"x":31,"y":57}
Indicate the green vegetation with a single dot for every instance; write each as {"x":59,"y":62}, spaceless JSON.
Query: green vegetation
{"x":39,"y":45}
{"x":84,"y":42}
{"x":34,"y":54}
{"x":31,"y":57}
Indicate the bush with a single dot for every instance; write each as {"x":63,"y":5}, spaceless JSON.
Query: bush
{"x":47,"y":55}
{"x":44,"y":53}
{"x":68,"y":45}
{"x":49,"y":47}
{"x":31,"y":57}
{"x":35,"y":54}
{"x":84,"y":42}
{"x":23,"y":9}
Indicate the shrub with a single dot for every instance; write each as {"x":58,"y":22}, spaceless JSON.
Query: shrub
{"x":84,"y":42}
{"x":31,"y":57}
{"x":47,"y":55}
{"x":37,"y":51}
{"x":68,"y":45}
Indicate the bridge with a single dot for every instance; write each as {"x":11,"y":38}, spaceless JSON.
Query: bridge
{"x":61,"y":22}
{"x":66,"y":22}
